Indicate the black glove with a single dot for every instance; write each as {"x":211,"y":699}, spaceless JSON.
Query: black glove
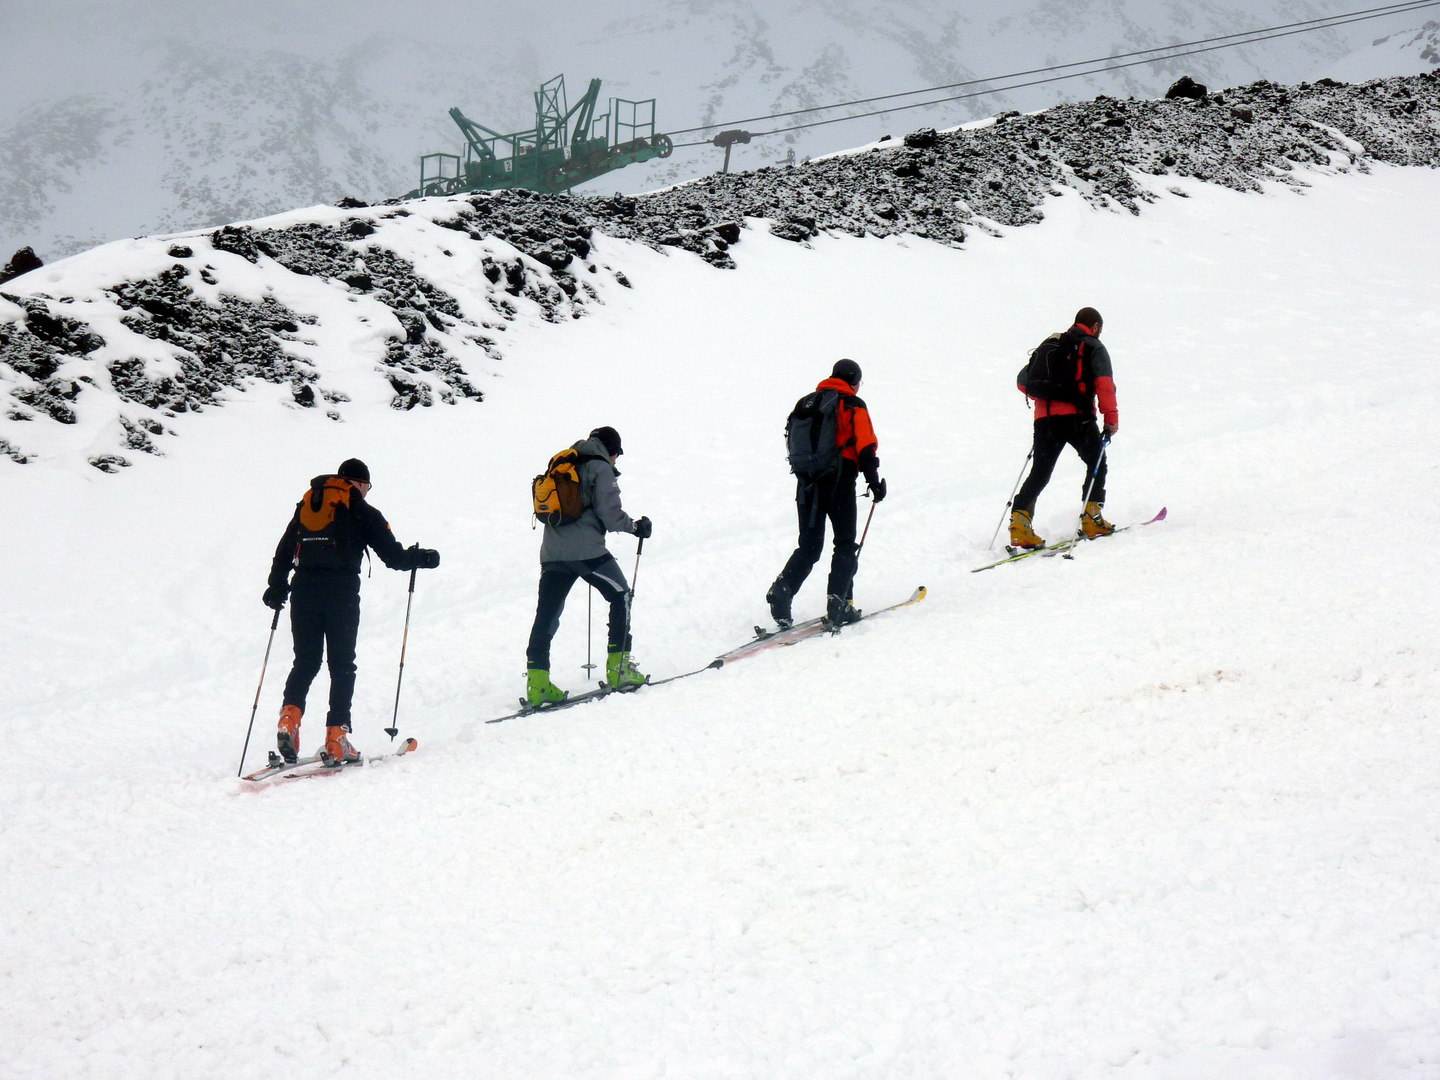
{"x":427,"y":558}
{"x":275,"y":596}
{"x":877,"y":491}
{"x":643,"y":528}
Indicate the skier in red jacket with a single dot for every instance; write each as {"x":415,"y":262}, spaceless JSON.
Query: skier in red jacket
{"x":1065,"y":414}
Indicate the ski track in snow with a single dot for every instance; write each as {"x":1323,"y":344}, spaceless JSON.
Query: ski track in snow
{"x":1167,"y":810}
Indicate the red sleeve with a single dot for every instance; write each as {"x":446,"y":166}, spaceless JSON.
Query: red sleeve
{"x":1105,"y":391}
{"x":864,"y":432}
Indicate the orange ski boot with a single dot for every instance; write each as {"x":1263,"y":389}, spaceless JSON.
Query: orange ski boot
{"x":287,"y":737}
{"x":338,"y":750}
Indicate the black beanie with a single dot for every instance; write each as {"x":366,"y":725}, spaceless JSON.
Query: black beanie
{"x":354,"y":469}
{"x":610,"y":437}
{"x":847,"y":370}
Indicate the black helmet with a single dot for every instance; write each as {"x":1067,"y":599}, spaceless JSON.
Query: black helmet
{"x":848,"y":370}
{"x":354,"y":469}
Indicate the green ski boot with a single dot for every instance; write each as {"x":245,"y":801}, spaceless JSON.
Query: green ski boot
{"x":539,"y":690}
{"x":621,"y":672}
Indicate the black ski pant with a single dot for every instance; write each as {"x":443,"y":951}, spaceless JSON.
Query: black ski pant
{"x":828,"y":496}
{"x":556,"y":580}
{"x":324,"y":618}
{"x":1052,"y":435}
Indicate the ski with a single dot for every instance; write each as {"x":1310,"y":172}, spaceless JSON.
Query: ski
{"x":800,"y":631}
{"x":603,"y":690}
{"x":280,"y":769}
{"x":762,"y":641}
{"x":1063,"y":547}
{"x":277,"y":765}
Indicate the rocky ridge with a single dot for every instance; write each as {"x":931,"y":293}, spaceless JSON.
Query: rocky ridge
{"x":537,"y":258}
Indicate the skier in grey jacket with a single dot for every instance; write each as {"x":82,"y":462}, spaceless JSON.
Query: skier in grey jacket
{"x":576,"y":550}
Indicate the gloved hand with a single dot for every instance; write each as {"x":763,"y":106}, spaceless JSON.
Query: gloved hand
{"x":1111,"y":429}
{"x":275,"y":596}
{"x":877,"y":491}
{"x":643,"y":528}
{"x":427,"y":558}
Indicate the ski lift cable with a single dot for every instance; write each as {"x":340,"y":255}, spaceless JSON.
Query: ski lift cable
{"x":1248,"y":38}
{"x":1037,"y":82}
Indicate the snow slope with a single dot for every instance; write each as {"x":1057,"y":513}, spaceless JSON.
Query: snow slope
{"x":1167,"y":810}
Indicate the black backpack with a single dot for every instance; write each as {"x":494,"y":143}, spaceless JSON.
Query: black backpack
{"x":810,"y":433}
{"x":1055,"y":371}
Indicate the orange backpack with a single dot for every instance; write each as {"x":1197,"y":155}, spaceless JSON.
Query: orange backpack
{"x":324,"y":515}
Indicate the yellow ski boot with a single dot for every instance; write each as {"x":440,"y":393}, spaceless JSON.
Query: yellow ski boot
{"x":1022,"y":535}
{"x":1093,"y":524}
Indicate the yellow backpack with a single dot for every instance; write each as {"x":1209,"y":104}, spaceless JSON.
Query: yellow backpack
{"x":556,"y":492}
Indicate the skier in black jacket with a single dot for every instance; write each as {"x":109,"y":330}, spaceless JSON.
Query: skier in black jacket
{"x":329,"y":532}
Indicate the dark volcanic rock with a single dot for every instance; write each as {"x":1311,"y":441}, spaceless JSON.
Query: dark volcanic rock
{"x":22,"y":262}
{"x":222,"y":346}
{"x":1185,"y":87}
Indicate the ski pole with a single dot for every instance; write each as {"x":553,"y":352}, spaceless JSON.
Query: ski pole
{"x":394,"y":727}
{"x":589,"y":631}
{"x":630,"y":599}
{"x":865,"y":533}
{"x":1011,"y":501}
{"x":1090,"y":481}
{"x":255,"y":707}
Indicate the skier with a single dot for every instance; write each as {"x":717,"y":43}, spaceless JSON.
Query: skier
{"x":577,"y":549}
{"x":332,"y":526}
{"x":825,"y":478}
{"x":1064,"y":392}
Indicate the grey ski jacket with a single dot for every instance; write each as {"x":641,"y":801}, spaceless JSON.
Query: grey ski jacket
{"x":584,"y":538}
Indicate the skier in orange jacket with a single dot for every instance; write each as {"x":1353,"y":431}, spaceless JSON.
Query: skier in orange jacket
{"x":825,"y":488}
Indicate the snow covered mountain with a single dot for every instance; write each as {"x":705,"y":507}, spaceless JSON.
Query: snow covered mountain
{"x":1165,"y":811}
{"x":1407,"y":52}
{"x":129,"y":120}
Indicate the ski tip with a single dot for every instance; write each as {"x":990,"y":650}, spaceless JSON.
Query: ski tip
{"x":718,"y":662}
{"x":1161,"y":515}
{"x":410,"y":744}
